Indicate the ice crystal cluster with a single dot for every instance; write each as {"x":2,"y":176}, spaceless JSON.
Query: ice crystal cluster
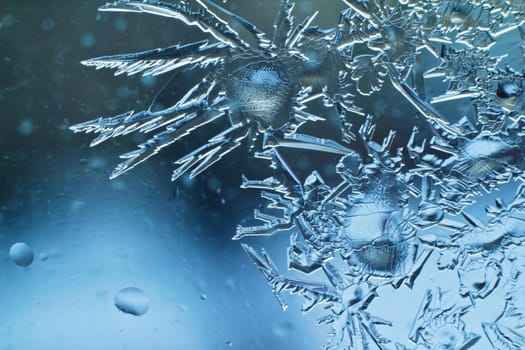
{"x":397,"y":205}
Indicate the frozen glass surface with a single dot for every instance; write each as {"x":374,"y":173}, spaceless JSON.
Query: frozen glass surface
{"x":293,"y":175}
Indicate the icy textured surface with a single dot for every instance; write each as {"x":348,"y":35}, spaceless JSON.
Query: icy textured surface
{"x":428,"y":98}
{"x":260,"y":87}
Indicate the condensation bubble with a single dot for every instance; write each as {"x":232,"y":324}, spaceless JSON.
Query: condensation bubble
{"x":8,"y":20}
{"x":97,"y":162}
{"x":26,"y":127}
{"x":188,"y":181}
{"x":88,"y":40}
{"x":43,"y":256}
{"x":132,"y":301}
{"x":214,"y":185}
{"x":148,"y":81}
{"x":120,"y":24}
{"x":48,"y":24}
{"x":283,"y":329}
{"x":21,"y":254}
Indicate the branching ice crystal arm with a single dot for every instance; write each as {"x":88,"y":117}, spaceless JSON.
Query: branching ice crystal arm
{"x":190,"y":113}
{"x":282,"y":193}
{"x":283,"y":24}
{"x":307,"y":142}
{"x":162,"y":60}
{"x":314,"y":293}
{"x":434,"y":314}
{"x":148,"y":120}
{"x":502,"y":337}
{"x":203,"y":18}
{"x":505,"y":332}
{"x":423,"y":107}
{"x":272,"y":224}
{"x":173,"y":133}
{"x":364,"y":233}
{"x":298,"y":32}
{"x":358,"y":7}
{"x":263,"y":41}
{"x":207,"y":155}
{"x":359,"y":37}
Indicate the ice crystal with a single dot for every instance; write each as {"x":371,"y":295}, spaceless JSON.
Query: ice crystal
{"x":361,"y":233}
{"x":503,"y":333}
{"x":261,"y":88}
{"x":439,"y":324}
{"x":393,"y":35}
{"x":393,"y":208}
{"x":402,"y":206}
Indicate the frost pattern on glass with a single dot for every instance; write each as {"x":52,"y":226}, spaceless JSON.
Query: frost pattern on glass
{"x":261,"y":87}
{"x":404,"y":206}
{"x":439,"y":324}
{"x":361,"y":233}
{"x":396,"y":208}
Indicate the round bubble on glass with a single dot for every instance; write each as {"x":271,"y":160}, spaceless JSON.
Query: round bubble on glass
{"x":132,"y":301}
{"x":21,"y":254}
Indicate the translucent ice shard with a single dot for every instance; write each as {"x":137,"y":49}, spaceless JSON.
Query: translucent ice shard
{"x":506,"y":331}
{"x":392,"y":34}
{"x":478,"y":279}
{"x":439,"y":324}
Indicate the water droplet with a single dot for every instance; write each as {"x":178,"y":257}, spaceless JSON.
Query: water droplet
{"x":229,"y":343}
{"x":132,"y":301}
{"x":204,"y":297}
{"x":21,"y":254}
{"x":43,"y":256}
{"x":507,"y":90}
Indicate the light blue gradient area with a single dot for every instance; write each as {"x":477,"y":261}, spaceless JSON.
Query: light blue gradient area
{"x":102,"y":237}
